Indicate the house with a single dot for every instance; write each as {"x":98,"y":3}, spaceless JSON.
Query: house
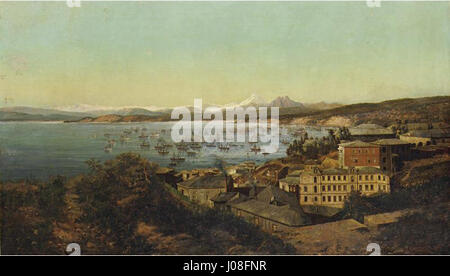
{"x":392,"y":154}
{"x":201,"y":189}
{"x":331,"y":187}
{"x":186,"y":175}
{"x":427,"y":137}
{"x":370,"y":132}
{"x":359,"y":154}
{"x":271,"y":210}
{"x":385,"y":154}
{"x":224,"y":200}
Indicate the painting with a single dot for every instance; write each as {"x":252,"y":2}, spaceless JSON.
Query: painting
{"x":224,"y":128}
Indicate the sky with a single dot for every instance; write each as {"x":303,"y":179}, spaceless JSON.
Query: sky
{"x":167,"y":54}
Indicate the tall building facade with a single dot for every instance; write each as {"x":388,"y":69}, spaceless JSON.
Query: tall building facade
{"x":331,"y":187}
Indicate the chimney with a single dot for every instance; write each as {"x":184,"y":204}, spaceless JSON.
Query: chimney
{"x":228,"y":183}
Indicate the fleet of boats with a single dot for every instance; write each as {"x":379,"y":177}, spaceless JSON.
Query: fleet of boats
{"x":154,"y":140}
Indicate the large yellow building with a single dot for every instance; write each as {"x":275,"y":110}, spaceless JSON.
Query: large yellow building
{"x":331,"y":187}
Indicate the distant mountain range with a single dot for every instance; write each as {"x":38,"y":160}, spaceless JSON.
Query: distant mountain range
{"x":86,"y":113}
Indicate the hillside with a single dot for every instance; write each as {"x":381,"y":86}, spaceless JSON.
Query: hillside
{"x":121,"y":207}
{"x":113,"y":118}
{"x":383,"y":113}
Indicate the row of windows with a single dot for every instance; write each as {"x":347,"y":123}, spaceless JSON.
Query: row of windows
{"x":330,"y":198}
{"x":369,"y":161}
{"x":344,"y":177}
{"x":329,"y":188}
{"x":359,"y":151}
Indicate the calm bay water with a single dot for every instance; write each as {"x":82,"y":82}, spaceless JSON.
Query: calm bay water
{"x":39,"y":149}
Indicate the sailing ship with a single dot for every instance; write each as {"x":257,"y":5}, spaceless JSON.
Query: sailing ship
{"x":224,"y":147}
{"x":255,"y":149}
{"x":143,"y":135}
{"x":108,"y":148}
{"x":145,"y":144}
{"x":177,"y":158}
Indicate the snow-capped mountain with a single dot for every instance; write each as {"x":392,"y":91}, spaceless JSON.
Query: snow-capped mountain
{"x":254,"y":100}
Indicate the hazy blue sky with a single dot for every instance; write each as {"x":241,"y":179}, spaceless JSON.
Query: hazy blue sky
{"x":165,"y":54}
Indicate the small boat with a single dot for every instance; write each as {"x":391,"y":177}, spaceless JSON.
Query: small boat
{"x":177,"y":158}
{"x":210,"y":145}
{"x":191,"y":153}
{"x":224,"y":147}
{"x":196,"y":146}
{"x":154,"y":135}
{"x":163,"y":151}
{"x":143,"y":136}
{"x":108,"y":148}
{"x":265,"y":153}
{"x":182,"y":146}
{"x":173,"y":164}
{"x":145,"y":144}
{"x":255,"y":149}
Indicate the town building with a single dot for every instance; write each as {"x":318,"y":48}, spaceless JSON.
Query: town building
{"x":385,"y":154}
{"x":422,"y":138}
{"x":392,"y":154}
{"x":331,"y":187}
{"x":201,"y":189}
{"x":272,"y":209}
{"x":224,"y":200}
{"x":359,"y":154}
{"x":186,"y":174}
{"x":370,"y":132}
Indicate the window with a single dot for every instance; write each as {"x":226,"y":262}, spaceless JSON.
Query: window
{"x":315,"y":179}
{"x":329,"y":198}
{"x":366,"y":187}
{"x":368,"y":161}
{"x":339,"y":187}
{"x":355,"y":160}
{"x":334,"y":187}
{"x":323,"y":188}
{"x":323,"y":177}
{"x":345,"y":177}
{"x":339,"y":177}
{"x":384,"y":178}
{"x":371,"y":187}
{"x":334,"y":178}
{"x":328,"y":178}
{"x":315,"y":198}
{"x":371,"y":177}
{"x":367,"y":177}
{"x":379,"y":177}
{"x":359,"y":177}
{"x":345,"y":187}
{"x":329,"y":188}
{"x":315,"y":189}
{"x":334,"y":198}
{"x":324,"y":199}
{"x":306,"y":199}
{"x":340,"y":198}
{"x":360,"y":187}
{"x":305,"y":189}
{"x":384,"y":159}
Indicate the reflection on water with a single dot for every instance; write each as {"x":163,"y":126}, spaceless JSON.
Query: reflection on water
{"x":40,"y":150}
